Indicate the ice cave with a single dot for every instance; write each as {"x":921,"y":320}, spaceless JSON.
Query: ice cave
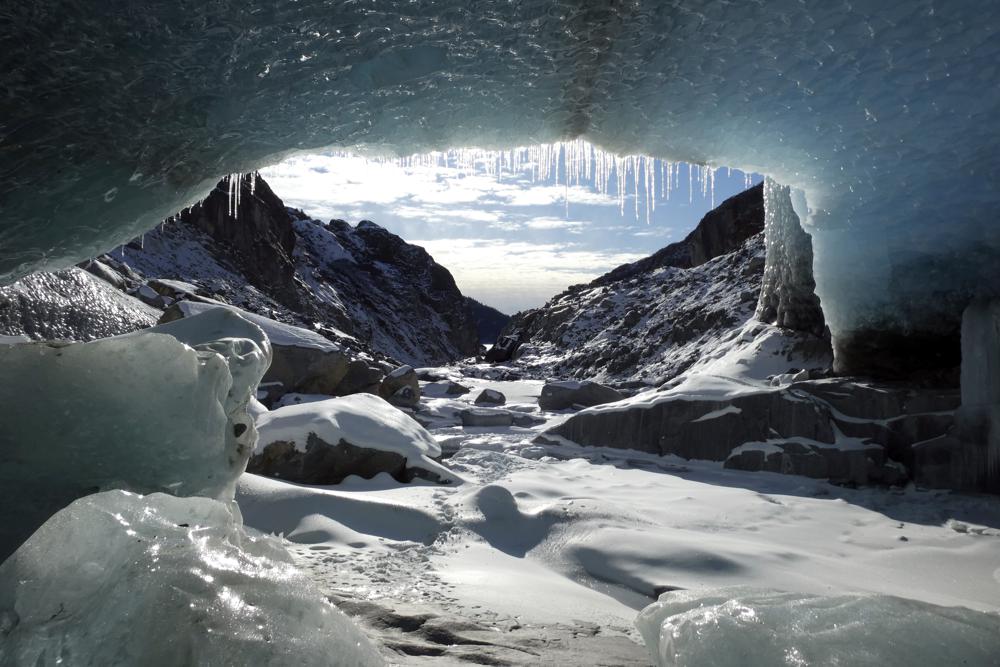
{"x":131,"y":533}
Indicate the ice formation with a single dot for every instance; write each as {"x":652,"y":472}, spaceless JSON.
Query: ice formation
{"x":884,"y":115}
{"x":740,"y":627}
{"x":787,"y":296}
{"x":164,"y":409}
{"x":122,"y":579}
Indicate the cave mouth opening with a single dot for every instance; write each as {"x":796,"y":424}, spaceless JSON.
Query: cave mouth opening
{"x":515,"y":226}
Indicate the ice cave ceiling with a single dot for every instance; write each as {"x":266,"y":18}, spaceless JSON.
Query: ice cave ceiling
{"x":115,"y":114}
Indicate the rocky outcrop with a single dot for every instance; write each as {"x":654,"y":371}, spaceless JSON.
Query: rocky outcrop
{"x":561,"y":395}
{"x":323,"y":463}
{"x":721,"y":231}
{"x":842,"y":421}
{"x":364,"y":282}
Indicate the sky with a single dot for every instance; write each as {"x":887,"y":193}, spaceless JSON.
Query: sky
{"x":511,"y":240}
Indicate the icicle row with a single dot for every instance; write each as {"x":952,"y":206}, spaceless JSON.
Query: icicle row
{"x":582,"y":163}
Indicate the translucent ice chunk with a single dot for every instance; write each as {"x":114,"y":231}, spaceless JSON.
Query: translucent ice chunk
{"x":122,"y":579}
{"x":159,"y":410}
{"x":742,"y":627}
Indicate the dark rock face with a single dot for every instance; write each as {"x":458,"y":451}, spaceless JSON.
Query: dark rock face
{"x":799,"y":420}
{"x":855,"y":467}
{"x":323,"y":463}
{"x":562,"y":395}
{"x":721,"y":231}
{"x":391,"y":298}
{"x":258,"y":233}
{"x":489,"y":321}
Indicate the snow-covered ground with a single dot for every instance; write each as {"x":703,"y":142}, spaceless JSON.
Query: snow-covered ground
{"x":545,"y":554}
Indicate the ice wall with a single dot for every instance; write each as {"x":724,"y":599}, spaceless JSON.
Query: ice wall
{"x":120,"y":579}
{"x":979,"y":417}
{"x":885,"y":115}
{"x":788,"y":292}
{"x":159,"y":410}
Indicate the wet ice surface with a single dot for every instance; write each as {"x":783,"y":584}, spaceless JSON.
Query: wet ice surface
{"x":550,"y":549}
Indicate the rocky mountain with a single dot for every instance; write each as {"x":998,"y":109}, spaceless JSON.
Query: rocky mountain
{"x":489,"y":321}
{"x":242,"y":246}
{"x":645,"y":322}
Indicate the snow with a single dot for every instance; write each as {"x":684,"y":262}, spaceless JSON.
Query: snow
{"x":547,"y":534}
{"x":363,"y":420}
{"x":744,"y":627}
{"x":122,"y":579}
{"x":715,"y":414}
{"x":277,"y":332}
{"x":400,"y":371}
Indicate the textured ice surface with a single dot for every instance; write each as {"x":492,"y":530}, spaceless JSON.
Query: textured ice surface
{"x":742,"y":627}
{"x":122,"y":579}
{"x":884,"y":114}
{"x":70,"y":305}
{"x":787,"y":296}
{"x":159,"y":410}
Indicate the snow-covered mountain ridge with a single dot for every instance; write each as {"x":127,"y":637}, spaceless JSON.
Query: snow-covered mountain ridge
{"x":645,"y":322}
{"x":278,"y":262}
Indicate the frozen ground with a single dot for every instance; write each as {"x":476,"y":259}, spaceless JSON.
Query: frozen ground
{"x":546,"y":554}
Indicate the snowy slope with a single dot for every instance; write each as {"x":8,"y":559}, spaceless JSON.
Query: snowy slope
{"x":646,"y":322}
{"x":277,"y":262}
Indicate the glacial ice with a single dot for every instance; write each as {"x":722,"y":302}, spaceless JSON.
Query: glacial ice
{"x":123,"y":579}
{"x":164,"y":409}
{"x":884,"y":115}
{"x":744,"y":627}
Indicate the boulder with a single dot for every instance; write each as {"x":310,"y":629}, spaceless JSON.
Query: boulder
{"x":361,"y":377}
{"x":566,"y":394}
{"x":401,"y":387}
{"x":504,"y":349}
{"x":490,"y":397}
{"x":323,"y":463}
{"x":307,"y":370}
{"x":486,"y":417}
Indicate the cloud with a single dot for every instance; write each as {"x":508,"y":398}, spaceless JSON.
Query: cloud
{"x":515,"y":275}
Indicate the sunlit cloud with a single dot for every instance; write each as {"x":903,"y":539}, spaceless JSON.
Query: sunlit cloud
{"x":510,"y":274}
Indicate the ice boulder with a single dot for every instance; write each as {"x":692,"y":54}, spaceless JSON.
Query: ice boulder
{"x":71,"y":304}
{"x":164,"y":409}
{"x":323,"y":442}
{"x":122,"y":579}
{"x":743,"y":627}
